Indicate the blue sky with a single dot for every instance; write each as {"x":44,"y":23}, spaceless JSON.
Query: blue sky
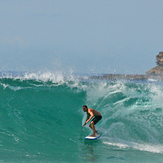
{"x":88,"y":36}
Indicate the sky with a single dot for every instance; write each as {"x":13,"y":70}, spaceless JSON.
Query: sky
{"x":83,"y":36}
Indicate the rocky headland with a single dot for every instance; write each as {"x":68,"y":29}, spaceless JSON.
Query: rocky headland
{"x":158,"y":70}
{"x":154,"y":73}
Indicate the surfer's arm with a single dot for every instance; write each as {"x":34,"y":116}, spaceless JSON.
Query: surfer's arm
{"x":88,"y":115}
{"x":86,"y":119}
{"x":91,"y":115}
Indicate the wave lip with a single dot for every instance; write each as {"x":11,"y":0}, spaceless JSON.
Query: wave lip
{"x":54,"y":77}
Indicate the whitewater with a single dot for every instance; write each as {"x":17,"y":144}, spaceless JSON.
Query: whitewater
{"x":41,"y":119}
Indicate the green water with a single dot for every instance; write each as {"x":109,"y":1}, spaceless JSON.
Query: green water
{"x":41,"y":120}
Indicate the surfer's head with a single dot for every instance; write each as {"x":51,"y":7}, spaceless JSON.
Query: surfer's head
{"x":85,"y":108}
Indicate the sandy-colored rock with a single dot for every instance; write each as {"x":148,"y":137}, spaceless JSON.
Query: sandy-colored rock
{"x":159,"y":59}
{"x":158,"y":70}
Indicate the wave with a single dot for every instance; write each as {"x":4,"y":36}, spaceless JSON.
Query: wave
{"x":43,"y":112}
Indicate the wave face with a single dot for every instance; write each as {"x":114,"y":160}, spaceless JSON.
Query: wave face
{"x":41,"y":119}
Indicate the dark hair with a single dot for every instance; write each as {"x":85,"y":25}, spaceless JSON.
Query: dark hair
{"x":85,"y":106}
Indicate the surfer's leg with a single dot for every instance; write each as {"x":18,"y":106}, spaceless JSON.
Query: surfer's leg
{"x":94,"y":121}
{"x":92,"y":126}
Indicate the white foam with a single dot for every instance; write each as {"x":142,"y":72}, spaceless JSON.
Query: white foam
{"x":152,"y":80}
{"x":47,"y":76}
{"x":4,"y":85}
{"x":138,"y":146}
{"x":120,"y":145}
{"x":54,"y":77}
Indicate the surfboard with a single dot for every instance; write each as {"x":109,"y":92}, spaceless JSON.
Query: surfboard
{"x":92,"y":138}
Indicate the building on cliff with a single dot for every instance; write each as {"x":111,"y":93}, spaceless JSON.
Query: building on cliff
{"x":158,"y":70}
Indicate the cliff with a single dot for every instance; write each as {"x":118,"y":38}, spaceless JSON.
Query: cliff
{"x":158,"y":70}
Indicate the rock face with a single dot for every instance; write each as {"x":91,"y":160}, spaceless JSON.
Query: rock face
{"x":159,"y":59}
{"x":158,"y":70}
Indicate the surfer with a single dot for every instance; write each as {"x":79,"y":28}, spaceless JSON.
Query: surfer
{"x":90,"y":114}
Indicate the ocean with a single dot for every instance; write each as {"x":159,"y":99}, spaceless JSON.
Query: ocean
{"x":41,"y":119}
